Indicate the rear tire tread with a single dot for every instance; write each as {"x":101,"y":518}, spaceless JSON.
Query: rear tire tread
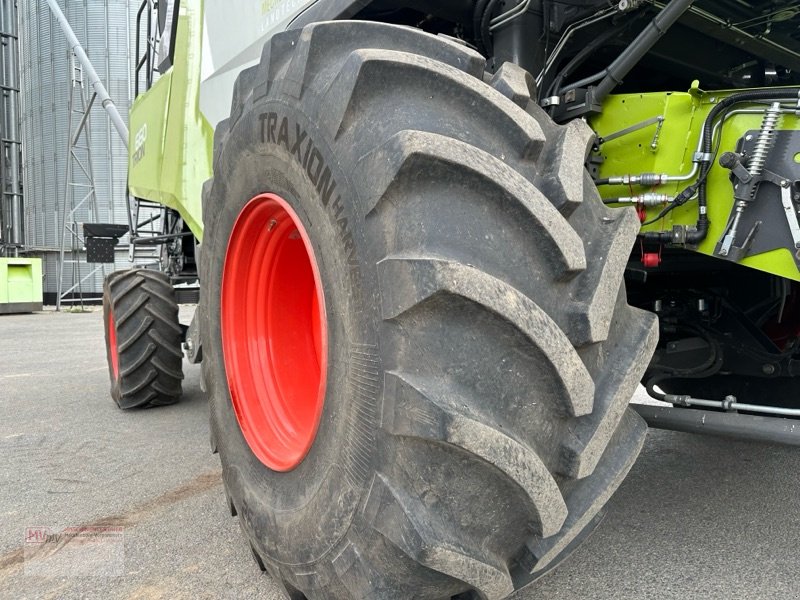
{"x":393,"y":515}
{"x":148,"y":338}
{"x":410,"y":412}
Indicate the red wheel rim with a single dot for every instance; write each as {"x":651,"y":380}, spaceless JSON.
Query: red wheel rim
{"x":274,"y":332}
{"x":112,"y":345}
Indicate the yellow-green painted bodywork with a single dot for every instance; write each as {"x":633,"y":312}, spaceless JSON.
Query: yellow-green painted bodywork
{"x":169,"y":155}
{"x":676,"y":144}
{"x":20,"y":281}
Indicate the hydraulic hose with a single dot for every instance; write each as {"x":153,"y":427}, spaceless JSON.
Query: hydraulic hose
{"x":700,"y":232}
{"x":482,"y":17}
{"x":477,"y":18}
{"x":650,"y":386}
{"x":577,"y":60}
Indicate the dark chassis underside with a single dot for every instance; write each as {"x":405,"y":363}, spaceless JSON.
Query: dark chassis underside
{"x":725,"y":329}
{"x":744,"y":43}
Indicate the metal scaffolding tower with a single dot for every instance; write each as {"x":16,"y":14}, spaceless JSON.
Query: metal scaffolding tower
{"x":80,"y":199}
{"x":11,"y":206}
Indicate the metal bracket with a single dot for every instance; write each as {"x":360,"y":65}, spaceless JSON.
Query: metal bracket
{"x":744,"y":195}
{"x":791,"y":215}
{"x":635,"y":127}
{"x":657,"y":134}
{"x":726,"y":247}
{"x":193,"y":344}
{"x":733,"y":161}
{"x":702,"y":157}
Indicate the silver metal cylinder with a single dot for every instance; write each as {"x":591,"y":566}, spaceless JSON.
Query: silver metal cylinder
{"x":647,"y":199}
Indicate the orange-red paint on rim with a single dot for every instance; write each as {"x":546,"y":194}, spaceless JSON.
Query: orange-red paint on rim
{"x":112,"y":345}
{"x":274,"y":332}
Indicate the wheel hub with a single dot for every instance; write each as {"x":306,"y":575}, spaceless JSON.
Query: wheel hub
{"x":274,"y":332}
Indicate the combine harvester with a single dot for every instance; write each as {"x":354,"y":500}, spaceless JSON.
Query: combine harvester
{"x":438,"y":246}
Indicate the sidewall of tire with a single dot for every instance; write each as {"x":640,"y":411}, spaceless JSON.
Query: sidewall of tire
{"x":334,"y":467}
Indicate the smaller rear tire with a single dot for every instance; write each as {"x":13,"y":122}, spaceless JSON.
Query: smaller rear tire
{"x":143,"y":338}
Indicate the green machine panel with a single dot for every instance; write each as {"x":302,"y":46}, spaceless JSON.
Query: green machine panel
{"x":20,"y":285}
{"x":658,"y":133}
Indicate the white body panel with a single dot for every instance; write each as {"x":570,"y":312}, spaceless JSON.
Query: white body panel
{"x":233,"y":35}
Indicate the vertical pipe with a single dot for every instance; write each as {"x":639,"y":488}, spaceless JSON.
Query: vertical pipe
{"x":519,"y":40}
{"x":11,"y":206}
{"x":56,"y":121}
{"x":110,"y":180}
{"x":12,"y":122}
{"x":69,"y":190}
{"x":149,"y":75}
{"x":5,"y":205}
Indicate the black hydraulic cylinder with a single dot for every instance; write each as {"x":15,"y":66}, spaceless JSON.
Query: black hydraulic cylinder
{"x":744,"y":427}
{"x":622,"y":65}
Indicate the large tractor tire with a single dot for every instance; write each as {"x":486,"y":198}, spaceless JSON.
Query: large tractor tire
{"x":143,"y":338}
{"x":417,"y":344}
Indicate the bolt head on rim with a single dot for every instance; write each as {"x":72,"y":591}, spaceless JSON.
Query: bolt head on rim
{"x":274,"y":332}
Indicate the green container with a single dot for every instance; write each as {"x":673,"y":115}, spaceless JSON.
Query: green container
{"x":20,"y":285}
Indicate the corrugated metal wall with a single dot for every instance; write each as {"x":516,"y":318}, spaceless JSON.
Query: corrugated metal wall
{"x":106,"y":30}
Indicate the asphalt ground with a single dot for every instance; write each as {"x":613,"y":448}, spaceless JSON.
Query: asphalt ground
{"x":698,"y":517}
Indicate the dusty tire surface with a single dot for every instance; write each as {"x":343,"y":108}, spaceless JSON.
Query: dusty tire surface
{"x":143,"y":338}
{"x":481,"y":350}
